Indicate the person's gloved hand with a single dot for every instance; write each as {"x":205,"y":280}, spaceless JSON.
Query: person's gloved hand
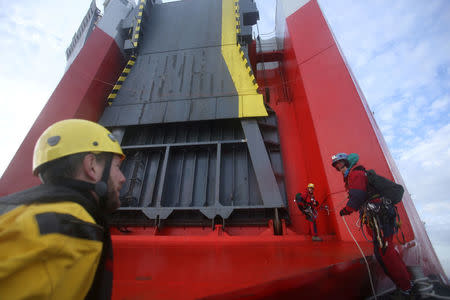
{"x":344,"y":212}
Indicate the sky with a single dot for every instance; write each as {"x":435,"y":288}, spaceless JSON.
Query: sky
{"x":399,"y":52}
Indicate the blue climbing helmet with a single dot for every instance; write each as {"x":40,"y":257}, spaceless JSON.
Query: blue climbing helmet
{"x":338,"y":157}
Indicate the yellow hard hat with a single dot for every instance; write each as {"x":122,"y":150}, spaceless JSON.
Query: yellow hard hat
{"x":73,"y":136}
{"x":311,"y":185}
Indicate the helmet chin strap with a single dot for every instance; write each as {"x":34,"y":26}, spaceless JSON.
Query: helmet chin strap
{"x":101,"y":187}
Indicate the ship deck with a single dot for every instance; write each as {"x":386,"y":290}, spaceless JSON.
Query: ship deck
{"x":221,"y":266}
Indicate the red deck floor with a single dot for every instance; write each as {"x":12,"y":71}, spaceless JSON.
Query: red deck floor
{"x":224,"y":267}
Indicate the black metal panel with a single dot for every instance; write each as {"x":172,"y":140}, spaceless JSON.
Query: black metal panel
{"x":248,"y":15}
{"x":177,"y":111}
{"x":203,"y":109}
{"x":180,"y":74}
{"x":149,"y":191}
{"x":188,"y":180}
{"x":192,"y":24}
{"x":227,"y":107}
{"x":201,"y":166}
{"x":238,"y":177}
{"x":153,"y":113}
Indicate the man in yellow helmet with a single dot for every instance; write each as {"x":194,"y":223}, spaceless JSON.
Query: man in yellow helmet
{"x":307,"y":204}
{"x":54,"y":239}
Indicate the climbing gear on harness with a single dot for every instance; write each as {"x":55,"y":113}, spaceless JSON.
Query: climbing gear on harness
{"x":384,"y":213}
{"x":398,"y":224}
{"x":380,"y":217}
{"x":73,"y":136}
{"x":369,"y":217}
{"x":309,"y":211}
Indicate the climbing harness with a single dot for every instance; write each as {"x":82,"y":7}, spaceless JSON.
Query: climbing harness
{"x":309,"y":211}
{"x":380,"y":216}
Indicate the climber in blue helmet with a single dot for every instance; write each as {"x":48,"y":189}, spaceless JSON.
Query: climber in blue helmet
{"x":362,"y":197}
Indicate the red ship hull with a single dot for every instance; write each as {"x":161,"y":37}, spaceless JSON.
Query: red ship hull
{"x":320,"y":111}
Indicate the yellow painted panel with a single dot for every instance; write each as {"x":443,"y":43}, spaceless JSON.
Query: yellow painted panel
{"x":251,"y":104}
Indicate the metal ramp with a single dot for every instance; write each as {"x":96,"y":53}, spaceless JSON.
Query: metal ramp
{"x":201,"y":146}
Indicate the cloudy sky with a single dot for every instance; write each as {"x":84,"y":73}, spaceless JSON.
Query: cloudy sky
{"x":398,"y":51}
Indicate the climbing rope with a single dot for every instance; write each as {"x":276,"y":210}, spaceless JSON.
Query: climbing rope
{"x":362,"y":253}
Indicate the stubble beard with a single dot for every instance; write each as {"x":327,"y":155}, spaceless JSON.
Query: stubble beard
{"x":113,"y":201}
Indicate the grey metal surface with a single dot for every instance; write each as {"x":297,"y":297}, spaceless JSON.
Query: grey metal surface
{"x":269,"y":130}
{"x":248,"y":15}
{"x":189,"y":157}
{"x":114,"y":12}
{"x":267,"y":183}
{"x":84,"y":31}
{"x":182,"y":25}
{"x":180,"y":74}
{"x":214,"y":167}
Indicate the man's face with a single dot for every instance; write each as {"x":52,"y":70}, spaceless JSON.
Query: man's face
{"x":115,"y":182}
{"x":311,"y":190}
{"x":340,"y":166}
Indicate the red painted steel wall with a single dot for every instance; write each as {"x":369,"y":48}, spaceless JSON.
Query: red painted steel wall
{"x":81,"y":93}
{"x":328,"y":114}
{"x":298,"y":148}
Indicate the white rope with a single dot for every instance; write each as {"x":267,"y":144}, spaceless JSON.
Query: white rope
{"x":433,"y":295}
{"x":367,"y":264}
{"x":424,"y":287}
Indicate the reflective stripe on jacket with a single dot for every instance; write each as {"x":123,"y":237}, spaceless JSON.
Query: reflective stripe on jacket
{"x":49,"y":249}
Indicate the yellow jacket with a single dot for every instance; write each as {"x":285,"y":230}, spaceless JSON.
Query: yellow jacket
{"x":48,"y":251}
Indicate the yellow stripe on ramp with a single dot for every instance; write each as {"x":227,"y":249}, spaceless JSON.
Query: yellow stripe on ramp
{"x":251,"y":103}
